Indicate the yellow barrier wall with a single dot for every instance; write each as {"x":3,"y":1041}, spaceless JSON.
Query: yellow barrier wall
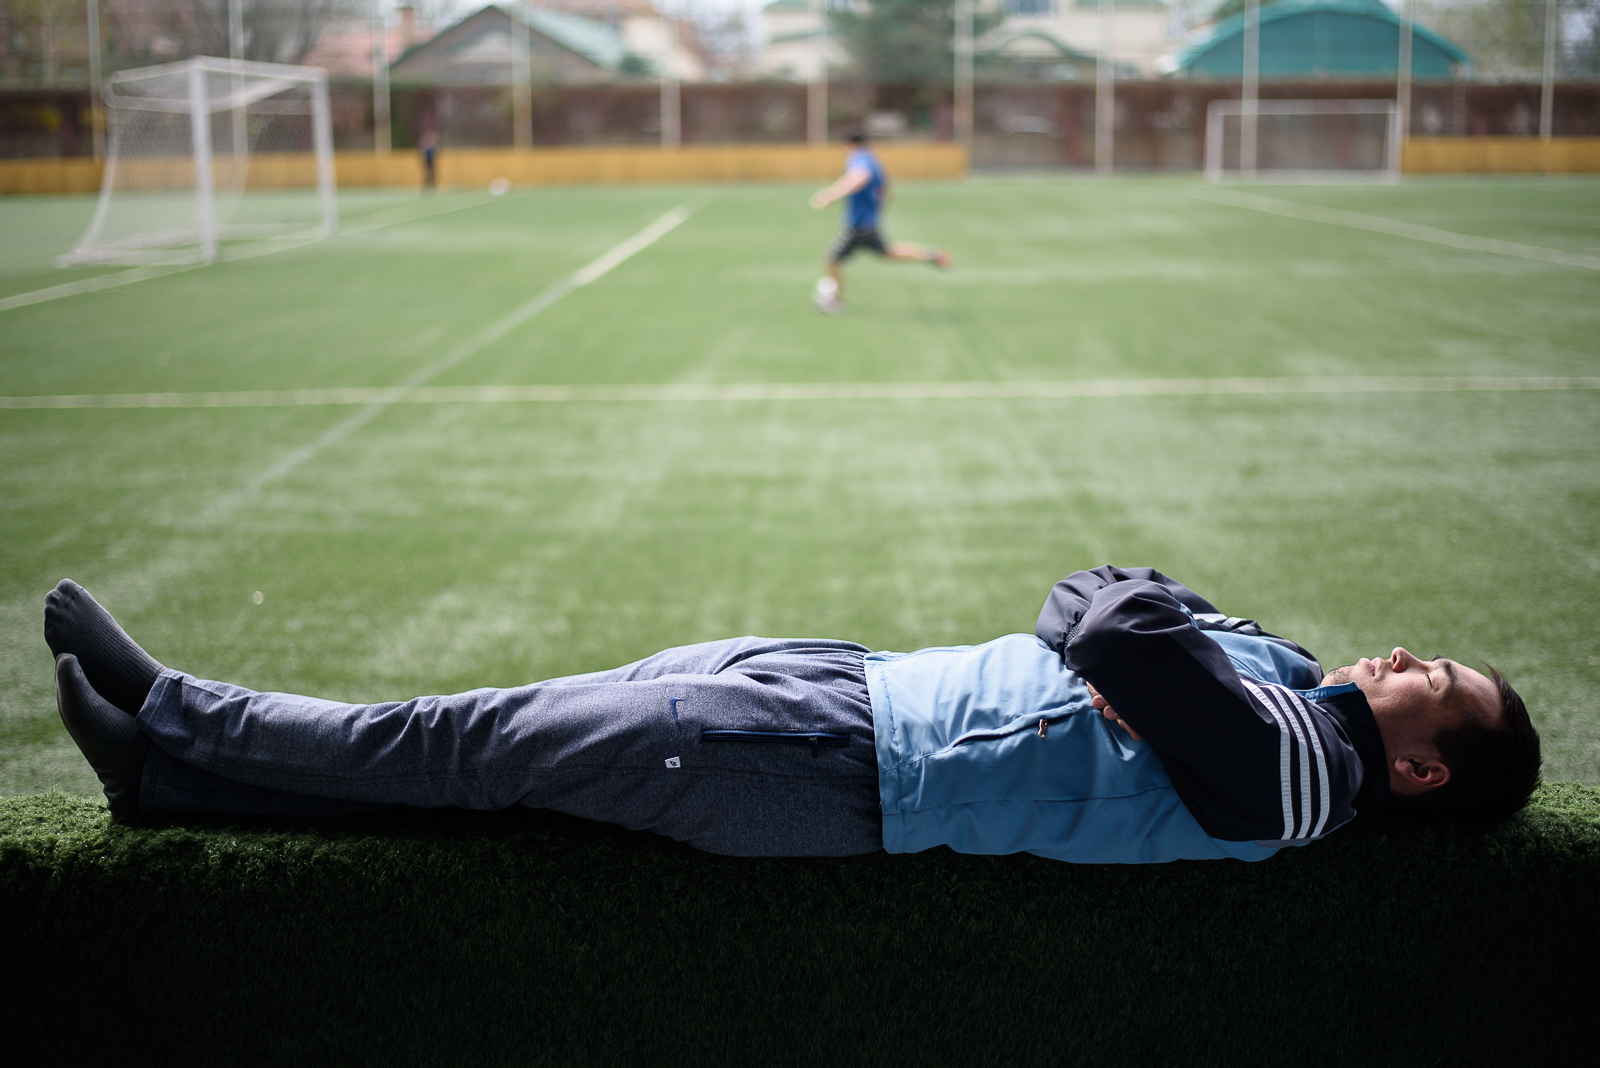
{"x":49,"y":176}
{"x":746,"y":163}
{"x":540,"y":166}
{"x":1500,"y":155}
{"x":696,"y":163}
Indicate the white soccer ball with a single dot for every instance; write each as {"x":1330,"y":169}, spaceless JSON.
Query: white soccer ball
{"x":827,"y":289}
{"x":498,"y":187}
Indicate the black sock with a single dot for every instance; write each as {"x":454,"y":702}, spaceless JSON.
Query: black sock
{"x":110,"y":740}
{"x":117,"y":669}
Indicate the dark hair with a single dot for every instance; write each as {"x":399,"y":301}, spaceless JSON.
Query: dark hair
{"x":1494,"y":767}
{"x":857,"y":138}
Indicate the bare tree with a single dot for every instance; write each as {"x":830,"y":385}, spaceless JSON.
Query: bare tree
{"x":42,"y":41}
{"x":277,"y":31}
{"x":1503,"y":38}
{"x":724,"y":35}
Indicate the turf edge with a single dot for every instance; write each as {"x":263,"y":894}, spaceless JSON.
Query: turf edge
{"x":528,"y":938}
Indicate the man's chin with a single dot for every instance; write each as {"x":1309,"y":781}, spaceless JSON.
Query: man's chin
{"x":1339,"y":676}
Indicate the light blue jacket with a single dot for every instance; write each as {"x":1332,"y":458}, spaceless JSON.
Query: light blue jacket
{"x":995,"y":748}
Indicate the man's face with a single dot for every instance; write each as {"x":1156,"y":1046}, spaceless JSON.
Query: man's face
{"x":1413,"y":700}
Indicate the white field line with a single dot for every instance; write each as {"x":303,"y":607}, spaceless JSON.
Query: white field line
{"x":415,"y":393}
{"x":90,"y":285}
{"x":374,"y":401}
{"x":1378,"y":224}
{"x":249,"y":250}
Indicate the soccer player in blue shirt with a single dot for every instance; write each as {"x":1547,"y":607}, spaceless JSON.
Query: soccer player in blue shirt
{"x":866,"y":186}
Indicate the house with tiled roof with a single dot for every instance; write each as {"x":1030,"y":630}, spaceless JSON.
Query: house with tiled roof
{"x":1054,"y":40}
{"x":609,"y":40}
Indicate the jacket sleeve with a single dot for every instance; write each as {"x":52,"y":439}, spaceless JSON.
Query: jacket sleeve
{"x":1251,"y":760}
{"x":1070,"y":599}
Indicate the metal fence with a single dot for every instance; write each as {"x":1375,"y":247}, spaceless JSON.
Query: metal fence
{"x":1531,"y":67}
{"x":1158,"y":125}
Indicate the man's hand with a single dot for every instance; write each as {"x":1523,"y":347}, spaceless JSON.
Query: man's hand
{"x":1105,"y":709}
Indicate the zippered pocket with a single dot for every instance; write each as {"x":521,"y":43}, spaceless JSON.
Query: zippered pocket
{"x":1039,"y":725}
{"x":815,"y":739}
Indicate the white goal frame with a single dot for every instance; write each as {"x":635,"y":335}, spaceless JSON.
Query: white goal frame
{"x":1251,"y":110}
{"x":200,"y":103}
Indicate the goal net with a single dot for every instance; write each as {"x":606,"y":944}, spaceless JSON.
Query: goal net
{"x":208,"y":150}
{"x":1302,"y":139}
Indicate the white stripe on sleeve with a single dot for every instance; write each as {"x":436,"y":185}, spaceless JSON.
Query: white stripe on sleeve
{"x":1303,"y":827}
{"x":1322,"y":762}
{"x":1283,"y":756}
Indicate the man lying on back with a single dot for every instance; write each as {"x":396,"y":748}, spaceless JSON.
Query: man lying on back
{"x":1137,"y":724}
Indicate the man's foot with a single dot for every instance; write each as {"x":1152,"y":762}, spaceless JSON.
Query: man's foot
{"x":115,"y":666}
{"x":830,"y":307}
{"x":109,"y":738}
{"x":939,"y":258}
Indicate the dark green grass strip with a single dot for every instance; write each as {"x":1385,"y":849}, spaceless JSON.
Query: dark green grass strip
{"x":522,"y":938}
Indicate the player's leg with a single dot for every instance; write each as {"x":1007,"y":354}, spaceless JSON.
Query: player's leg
{"x":761,"y":748}
{"x":910,"y":251}
{"x":143,"y":783}
{"x":703,"y":743}
{"x":828,"y":296}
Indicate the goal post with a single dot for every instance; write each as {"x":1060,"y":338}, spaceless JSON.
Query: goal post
{"x":1304,"y":140}
{"x":208,"y":150}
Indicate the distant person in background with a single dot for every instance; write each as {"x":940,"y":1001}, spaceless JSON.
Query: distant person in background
{"x":429,"y":147}
{"x":866,"y":186}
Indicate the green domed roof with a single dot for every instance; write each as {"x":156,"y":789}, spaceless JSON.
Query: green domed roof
{"x":1312,"y":38}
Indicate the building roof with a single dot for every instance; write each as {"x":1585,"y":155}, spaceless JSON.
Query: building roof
{"x":595,"y":41}
{"x":1316,"y":37}
{"x":601,"y":10}
{"x":475,"y":49}
{"x":1029,"y":43}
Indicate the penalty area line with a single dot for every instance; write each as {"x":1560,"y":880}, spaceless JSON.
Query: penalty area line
{"x":1395,"y":228}
{"x":361,"y":224}
{"x":376,"y":401}
{"x":415,"y":392}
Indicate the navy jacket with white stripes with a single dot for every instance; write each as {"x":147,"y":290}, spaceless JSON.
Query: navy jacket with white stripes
{"x":1251,"y":760}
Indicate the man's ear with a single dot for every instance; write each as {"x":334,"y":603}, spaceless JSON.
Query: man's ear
{"x":1421,"y":773}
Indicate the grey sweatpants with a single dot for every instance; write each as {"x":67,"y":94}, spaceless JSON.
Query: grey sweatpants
{"x":748,"y":747}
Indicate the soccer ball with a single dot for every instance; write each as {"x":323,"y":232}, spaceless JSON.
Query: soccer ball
{"x":826,"y":296}
{"x":498,"y":187}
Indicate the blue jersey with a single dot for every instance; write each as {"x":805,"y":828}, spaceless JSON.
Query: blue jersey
{"x":861,"y":209}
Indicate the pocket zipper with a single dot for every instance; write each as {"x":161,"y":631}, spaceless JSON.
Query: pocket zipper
{"x":1037,"y":725}
{"x":814,"y":739}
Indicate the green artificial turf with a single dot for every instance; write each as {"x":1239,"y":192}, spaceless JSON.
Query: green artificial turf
{"x":521,"y":938}
{"x":440,"y":546}
{"x":444,"y":546}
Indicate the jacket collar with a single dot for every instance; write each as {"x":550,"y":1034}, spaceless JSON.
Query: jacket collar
{"x":1347,"y":706}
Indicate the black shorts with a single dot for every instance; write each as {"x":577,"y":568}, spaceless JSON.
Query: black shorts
{"x":850,"y":239}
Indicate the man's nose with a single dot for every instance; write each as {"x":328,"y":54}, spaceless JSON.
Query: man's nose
{"x":1402,"y":658}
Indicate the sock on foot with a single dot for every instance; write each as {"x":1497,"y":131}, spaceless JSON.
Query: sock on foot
{"x":117,"y":669}
{"x":108,"y":738}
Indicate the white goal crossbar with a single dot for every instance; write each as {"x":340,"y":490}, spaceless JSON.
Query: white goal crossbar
{"x":1304,"y":140}
{"x":185,"y":138}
